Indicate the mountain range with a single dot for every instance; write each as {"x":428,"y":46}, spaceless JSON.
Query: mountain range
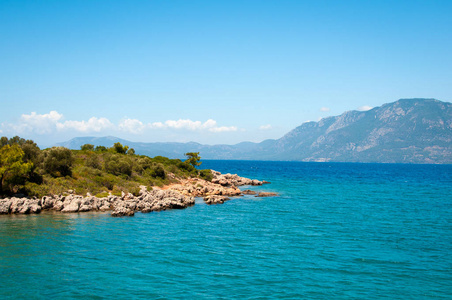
{"x":405,"y":131}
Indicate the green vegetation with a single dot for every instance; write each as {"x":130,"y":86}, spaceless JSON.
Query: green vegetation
{"x":98,"y":170}
{"x":193,"y":159}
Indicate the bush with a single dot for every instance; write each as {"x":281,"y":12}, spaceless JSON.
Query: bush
{"x":36,"y":190}
{"x":87,"y":147}
{"x":206,"y":175}
{"x":117,"y":165}
{"x":186,"y":166}
{"x":58,"y":162}
{"x":157,"y":170}
{"x":102,"y":195}
{"x":93,"y":162}
{"x":101,"y":149}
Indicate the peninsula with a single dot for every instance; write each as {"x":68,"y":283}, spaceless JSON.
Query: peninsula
{"x":106,"y":179}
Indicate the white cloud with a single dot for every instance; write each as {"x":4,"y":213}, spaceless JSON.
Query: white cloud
{"x":53,"y":122}
{"x":93,"y":124}
{"x":156,"y":125}
{"x":364,"y":108}
{"x":265,"y":127}
{"x":187,"y":124}
{"x":184,"y":124}
{"x":324,"y":109}
{"x":40,"y":123}
{"x":223,"y":129}
{"x":132,"y":125}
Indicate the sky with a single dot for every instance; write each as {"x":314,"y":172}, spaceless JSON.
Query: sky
{"x":213,"y":72}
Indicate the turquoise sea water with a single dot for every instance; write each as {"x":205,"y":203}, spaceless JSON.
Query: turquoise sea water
{"x":337,"y":231}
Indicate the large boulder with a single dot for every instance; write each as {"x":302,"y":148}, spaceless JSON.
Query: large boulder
{"x":122,"y":212}
{"x":72,"y":204}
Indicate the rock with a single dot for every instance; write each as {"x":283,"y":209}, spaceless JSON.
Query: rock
{"x":248,"y":192}
{"x":5,"y":206}
{"x":85,"y":207}
{"x":104,"y":207}
{"x":58,"y":205}
{"x":266,"y":194}
{"x":47,"y":202}
{"x":232,"y":180}
{"x":16,"y":205}
{"x":35,"y":209}
{"x":71,"y":207}
{"x":215,"y":199}
{"x":122,"y":211}
{"x":22,"y":206}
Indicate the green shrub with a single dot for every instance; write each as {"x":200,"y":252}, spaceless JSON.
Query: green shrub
{"x":102,"y":195}
{"x":100,"y":149}
{"x":118,"y":165}
{"x":119,"y":148}
{"x":36,"y":190}
{"x":93,"y":161}
{"x":87,"y":147}
{"x":58,"y":161}
{"x":206,"y":174}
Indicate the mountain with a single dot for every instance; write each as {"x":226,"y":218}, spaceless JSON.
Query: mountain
{"x":405,"y":131}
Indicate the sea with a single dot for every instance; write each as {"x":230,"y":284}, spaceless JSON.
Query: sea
{"x":335,"y":231}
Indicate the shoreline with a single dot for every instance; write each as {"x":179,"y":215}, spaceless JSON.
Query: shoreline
{"x":174,"y":196}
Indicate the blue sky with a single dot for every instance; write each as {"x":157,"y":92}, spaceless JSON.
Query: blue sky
{"x":212,"y":71}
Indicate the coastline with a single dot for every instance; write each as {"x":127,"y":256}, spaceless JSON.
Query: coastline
{"x":174,"y":196}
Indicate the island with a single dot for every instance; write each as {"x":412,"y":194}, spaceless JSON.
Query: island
{"x":106,"y":179}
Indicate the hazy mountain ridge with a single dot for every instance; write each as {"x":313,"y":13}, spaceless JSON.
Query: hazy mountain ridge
{"x":405,"y":131}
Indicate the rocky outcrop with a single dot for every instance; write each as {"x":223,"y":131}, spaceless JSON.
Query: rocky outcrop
{"x":221,"y":185}
{"x":233,"y":180}
{"x":126,"y":205}
{"x":16,"y":205}
{"x":175,"y":196}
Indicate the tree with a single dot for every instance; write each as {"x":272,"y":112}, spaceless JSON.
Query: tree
{"x":193,"y":159}
{"x":13,"y":169}
{"x":87,"y":147}
{"x":3,"y":141}
{"x":58,"y":161}
{"x":119,"y":148}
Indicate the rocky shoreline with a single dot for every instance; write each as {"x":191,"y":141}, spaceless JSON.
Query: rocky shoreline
{"x":175,"y":196}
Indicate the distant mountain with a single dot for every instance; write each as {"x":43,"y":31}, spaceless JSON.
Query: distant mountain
{"x":405,"y":131}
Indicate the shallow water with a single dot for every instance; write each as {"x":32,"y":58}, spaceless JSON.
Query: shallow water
{"x":342,"y":231}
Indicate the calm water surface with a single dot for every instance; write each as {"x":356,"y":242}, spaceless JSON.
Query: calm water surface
{"x":337,"y":231}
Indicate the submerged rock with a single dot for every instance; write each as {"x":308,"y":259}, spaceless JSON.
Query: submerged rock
{"x":248,"y":192}
{"x":266,"y":194}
